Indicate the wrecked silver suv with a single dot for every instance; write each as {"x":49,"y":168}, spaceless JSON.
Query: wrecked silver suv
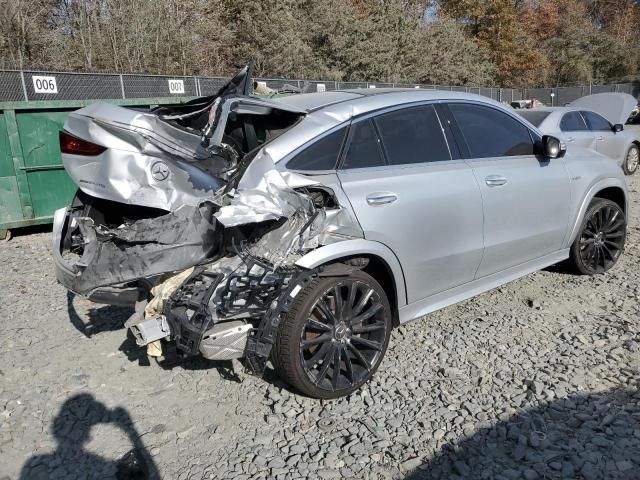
{"x":301,"y":229}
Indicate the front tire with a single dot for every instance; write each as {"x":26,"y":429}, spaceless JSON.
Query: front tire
{"x":334,"y":335}
{"x":601,"y":238}
{"x":631,"y":161}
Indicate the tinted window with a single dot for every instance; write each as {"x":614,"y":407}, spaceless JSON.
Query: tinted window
{"x":572,"y":122}
{"x":321,"y":155}
{"x":534,"y":117}
{"x":412,"y":135}
{"x":596,"y":122}
{"x":491,"y":133}
{"x":363,"y":149}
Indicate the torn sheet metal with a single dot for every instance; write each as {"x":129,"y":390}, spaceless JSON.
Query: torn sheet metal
{"x":141,"y":249}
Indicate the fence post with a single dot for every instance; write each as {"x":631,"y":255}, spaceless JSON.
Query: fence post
{"x":122,"y":86}
{"x":24,"y":86}
{"x":197,"y":82}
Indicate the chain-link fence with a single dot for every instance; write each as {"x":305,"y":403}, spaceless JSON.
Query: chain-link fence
{"x":16,"y":85}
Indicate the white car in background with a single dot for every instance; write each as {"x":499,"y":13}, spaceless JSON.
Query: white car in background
{"x":595,"y":122}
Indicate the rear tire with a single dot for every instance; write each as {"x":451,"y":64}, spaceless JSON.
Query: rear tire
{"x":601,"y":238}
{"x":631,"y":160}
{"x":334,"y":335}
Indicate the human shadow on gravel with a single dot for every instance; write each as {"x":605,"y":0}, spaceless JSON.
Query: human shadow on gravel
{"x":590,"y":436}
{"x":72,"y":430}
{"x":106,"y":318}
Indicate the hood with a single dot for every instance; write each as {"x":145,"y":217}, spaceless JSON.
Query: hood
{"x":615,"y":107}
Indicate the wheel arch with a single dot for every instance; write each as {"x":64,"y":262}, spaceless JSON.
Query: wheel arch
{"x":382,"y":264}
{"x":611,"y":189}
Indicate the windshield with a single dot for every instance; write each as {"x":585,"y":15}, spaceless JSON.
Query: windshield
{"x":534,"y":117}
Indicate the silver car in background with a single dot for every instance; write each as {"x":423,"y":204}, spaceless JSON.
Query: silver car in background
{"x":302,"y":229}
{"x":595,"y":122}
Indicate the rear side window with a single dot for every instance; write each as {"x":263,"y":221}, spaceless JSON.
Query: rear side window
{"x":363,"y":150}
{"x":572,"y":122}
{"x":321,"y":155}
{"x":412,"y":135}
{"x":491,"y":133}
{"x":596,"y":122}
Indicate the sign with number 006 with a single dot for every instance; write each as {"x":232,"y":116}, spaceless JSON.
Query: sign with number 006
{"x":176,"y":86}
{"x":44,"y":84}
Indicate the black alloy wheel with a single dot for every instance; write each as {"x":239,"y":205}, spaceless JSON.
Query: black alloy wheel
{"x":601,"y":239}
{"x":334,"y":336}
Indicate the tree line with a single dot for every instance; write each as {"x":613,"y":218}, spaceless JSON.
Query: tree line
{"x":522,"y":43}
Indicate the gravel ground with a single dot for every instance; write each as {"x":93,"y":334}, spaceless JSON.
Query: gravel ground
{"x":535,"y":380}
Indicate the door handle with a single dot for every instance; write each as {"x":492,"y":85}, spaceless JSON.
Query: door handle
{"x":571,"y":139}
{"x":380,"y":198}
{"x":495,"y":180}
{"x":600,"y":138}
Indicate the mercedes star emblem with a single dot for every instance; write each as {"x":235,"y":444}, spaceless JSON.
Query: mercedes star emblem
{"x":159,"y":171}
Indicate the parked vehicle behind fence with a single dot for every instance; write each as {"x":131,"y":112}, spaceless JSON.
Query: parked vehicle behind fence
{"x":595,"y":122}
{"x":302,"y":229}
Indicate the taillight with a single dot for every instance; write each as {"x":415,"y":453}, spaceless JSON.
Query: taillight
{"x":77,"y":146}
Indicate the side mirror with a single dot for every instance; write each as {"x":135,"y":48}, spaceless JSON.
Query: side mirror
{"x":552,"y":147}
{"x":618,"y":127}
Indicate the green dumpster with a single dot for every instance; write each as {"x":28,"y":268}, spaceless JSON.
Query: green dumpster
{"x":33,"y":182}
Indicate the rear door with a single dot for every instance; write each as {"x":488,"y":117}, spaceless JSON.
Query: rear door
{"x":608,"y":142}
{"x":411,"y":191}
{"x":525,"y":197}
{"x":575,"y":131}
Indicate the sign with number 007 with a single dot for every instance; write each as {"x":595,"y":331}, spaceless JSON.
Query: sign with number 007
{"x":176,"y":86}
{"x":44,"y":84}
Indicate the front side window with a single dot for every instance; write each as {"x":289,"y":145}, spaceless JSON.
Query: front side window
{"x":412,"y":135}
{"x":596,"y":122}
{"x":363,"y":150}
{"x":491,"y":133}
{"x":320,"y":155}
{"x":572,"y":122}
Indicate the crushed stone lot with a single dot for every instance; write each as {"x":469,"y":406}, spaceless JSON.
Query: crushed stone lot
{"x":536,"y":380}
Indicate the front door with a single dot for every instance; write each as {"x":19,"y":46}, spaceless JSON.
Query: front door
{"x":575,"y":131}
{"x":526,"y":198}
{"x":410,"y":194}
{"x":608,"y":143}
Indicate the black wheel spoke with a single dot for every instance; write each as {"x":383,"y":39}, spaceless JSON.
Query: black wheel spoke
{"x":358,"y":354}
{"x":326,"y":362}
{"x":325,"y":337}
{"x":326,"y":311}
{"x":316,"y":325}
{"x":339,"y":302}
{"x":367,"y":343}
{"x":369,"y":328}
{"x":363,"y":301}
{"x":317,"y":356}
{"x":335,"y":376}
{"x":348,"y":365}
{"x":370,"y":312}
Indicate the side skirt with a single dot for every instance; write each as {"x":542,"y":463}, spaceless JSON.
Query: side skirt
{"x":471,"y":289}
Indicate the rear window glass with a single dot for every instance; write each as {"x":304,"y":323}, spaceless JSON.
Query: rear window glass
{"x":412,"y":135}
{"x":572,"y":122}
{"x":491,"y":133}
{"x":534,"y":117}
{"x":321,"y":155}
{"x":363,"y":151}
